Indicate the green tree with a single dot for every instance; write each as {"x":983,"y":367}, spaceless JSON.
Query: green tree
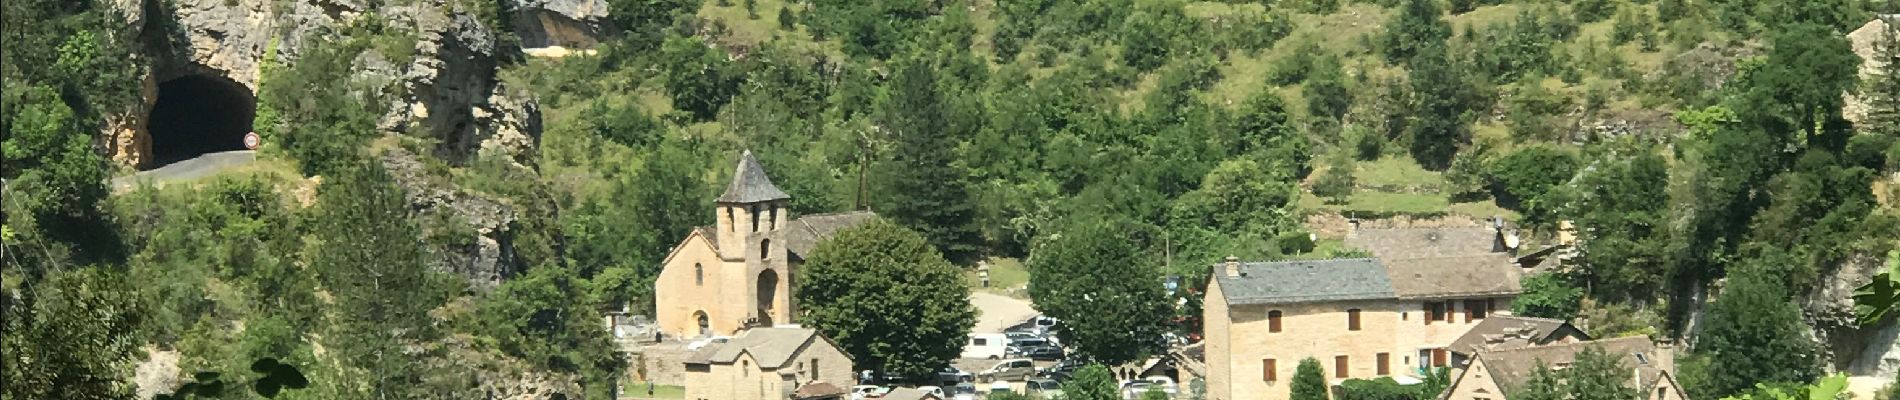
{"x":1104,"y":288}
{"x":921,"y":187}
{"x":1621,"y":219}
{"x":1309,"y":381}
{"x":1438,"y":126}
{"x":1336,"y":183}
{"x":1598,"y":375}
{"x":888,"y":298}
{"x":1548,"y":296}
{"x":1525,"y":179}
{"x":369,"y":257}
{"x":1325,"y":90}
{"x":700,"y":78}
{"x":325,"y":116}
{"x":1882,"y":90}
{"x":1091,"y":382}
{"x":1416,"y":26}
{"x":1799,"y":86}
{"x":69,"y":335}
{"x":1544,"y":384}
{"x":1753,"y":315}
{"x":1265,"y":132}
{"x":644,"y":24}
{"x":1239,"y":196}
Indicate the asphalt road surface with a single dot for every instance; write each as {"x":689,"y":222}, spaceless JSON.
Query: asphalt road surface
{"x":202,"y":166}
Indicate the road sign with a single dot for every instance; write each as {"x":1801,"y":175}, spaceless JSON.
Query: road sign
{"x":251,"y":140}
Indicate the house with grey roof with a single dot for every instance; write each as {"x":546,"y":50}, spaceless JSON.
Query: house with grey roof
{"x":1389,"y":316}
{"x":736,"y":273}
{"x":1504,"y":332}
{"x":1502,"y":374}
{"x":770,"y":363}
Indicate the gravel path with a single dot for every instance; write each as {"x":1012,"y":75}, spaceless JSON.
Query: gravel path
{"x":996,"y":312}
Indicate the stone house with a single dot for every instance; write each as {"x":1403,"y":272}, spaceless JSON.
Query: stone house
{"x":1497,"y":374}
{"x":738,"y":272}
{"x":1361,"y":318}
{"x":1503,"y":332}
{"x":769,"y":363}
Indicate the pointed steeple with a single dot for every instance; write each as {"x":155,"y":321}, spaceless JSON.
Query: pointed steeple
{"x":749,"y":183}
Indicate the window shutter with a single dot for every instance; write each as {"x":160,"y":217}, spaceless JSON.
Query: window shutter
{"x":1340,"y":367}
{"x":1352,"y":319}
{"x":1267,"y":370}
{"x":1468,"y":305}
{"x":1429,"y":312}
{"x":1273,"y":321}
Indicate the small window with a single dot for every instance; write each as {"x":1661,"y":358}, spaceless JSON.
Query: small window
{"x":814,"y":368}
{"x":1662,"y":393}
{"x":1340,"y":367}
{"x":1383,"y":363}
{"x":1641,"y":359}
{"x":1435,"y":311}
{"x":1268,"y":371}
{"x":765,"y":249}
{"x":699,"y":274}
{"x":1352,"y":319}
{"x":1273,"y":321}
{"x":731,"y":221}
{"x":980,"y":342}
{"x":755,"y":217}
{"x":1476,"y":309}
{"x":774,"y":215}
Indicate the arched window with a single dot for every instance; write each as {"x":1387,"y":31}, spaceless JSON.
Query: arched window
{"x":705,"y":324}
{"x":755,"y":217}
{"x":765,"y":249}
{"x":731,"y":222}
{"x":699,"y":274}
{"x":1273,"y":321}
{"x":1352,"y":319}
{"x":774,"y":216}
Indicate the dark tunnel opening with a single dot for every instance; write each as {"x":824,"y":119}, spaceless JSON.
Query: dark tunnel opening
{"x":196,"y":115}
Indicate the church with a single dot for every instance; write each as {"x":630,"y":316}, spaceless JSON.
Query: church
{"x":738,"y":273}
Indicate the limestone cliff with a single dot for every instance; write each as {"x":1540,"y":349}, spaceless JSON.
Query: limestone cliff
{"x":447,"y":92}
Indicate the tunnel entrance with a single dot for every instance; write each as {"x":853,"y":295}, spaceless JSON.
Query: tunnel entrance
{"x":198,"y":114}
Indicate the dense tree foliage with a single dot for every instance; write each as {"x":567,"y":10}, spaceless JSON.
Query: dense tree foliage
{"x":1092,"y":382}
{"x":888,"y":298}
{"x":1103,"y":288}
{"x":1595,"y":375}
{"x":1309,"y":381}
{"x":1752,"y":317}
{"x":921,"y":188}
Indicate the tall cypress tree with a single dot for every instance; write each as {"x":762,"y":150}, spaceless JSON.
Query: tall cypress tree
{"x":921,"y":187}
{"x":1883,"y":88}
{"x":370,"y":259}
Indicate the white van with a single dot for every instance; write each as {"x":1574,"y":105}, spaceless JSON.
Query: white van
{"x":986,"y":345}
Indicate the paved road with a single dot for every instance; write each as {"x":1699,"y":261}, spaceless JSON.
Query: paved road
{"x":195,"y":168}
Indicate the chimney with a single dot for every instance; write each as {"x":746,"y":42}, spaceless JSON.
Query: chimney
{"x":1233,"y":266}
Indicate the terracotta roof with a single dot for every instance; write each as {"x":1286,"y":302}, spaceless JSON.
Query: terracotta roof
{"x":749,"y":183}
{"x":908,"y":394}
{"x":1511,"y":369}
{"x":1425,"y":242}
{"x":1284,"y":282}
{"x":771,"y":347}
{"x":1501,"y":332}
{"x":1305,"y":281}
{"x":817,"y":389}
{"x":1464,"y":276}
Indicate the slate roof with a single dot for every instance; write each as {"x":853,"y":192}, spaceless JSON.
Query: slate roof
{"x":803,"y":234}
{"x":1512,"y":368}
{"x":770,"y":347}
{"x":749,"y":183}
{"x":1305,"y":281}
{"x":1502,"y":332}
{"x":1401,"y":243}
{"x":1462,"y":276}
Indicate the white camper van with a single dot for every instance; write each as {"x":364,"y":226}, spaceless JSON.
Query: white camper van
{"x":986,"y":345}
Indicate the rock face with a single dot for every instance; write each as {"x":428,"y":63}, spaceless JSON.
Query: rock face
{"x":560,"y":23}
{"x":447,"y":92}
{"x":472,"y":236}
{"x":1830,"y":311}
{"x":1863,"y":40}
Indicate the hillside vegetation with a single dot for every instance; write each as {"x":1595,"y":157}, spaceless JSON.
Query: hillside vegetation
{"x":1688,"y":144}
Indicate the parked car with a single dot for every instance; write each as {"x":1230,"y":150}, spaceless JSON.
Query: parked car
{"x":861,"y":392}
{"x":1028,"y":341}
{"x":702,"y":342}
{"x":1042,"y":388}
{"x":950,"y":376}
{"x":933,"y":391}
{"x":1044,"y":325}
{"x":999,"y":387}
{"x":963,"y":391}
{"x":1135,"y":389}
{"x":1061,"y":371}
{"x":986,"y":345}
{"x":1008,"y":370}
{"x":1042,"y":353}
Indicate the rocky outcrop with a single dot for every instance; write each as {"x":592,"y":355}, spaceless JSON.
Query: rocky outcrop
{"x":472,"y":235}
{"x":1863,"y":40}
{"x":560,"y":23}
{"x":447,"y":91}
{"x":1830,"y":311}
